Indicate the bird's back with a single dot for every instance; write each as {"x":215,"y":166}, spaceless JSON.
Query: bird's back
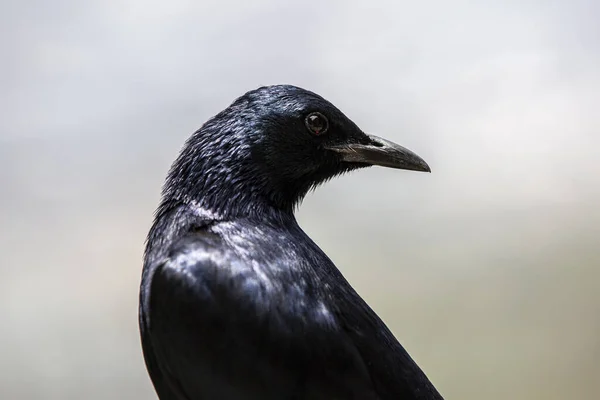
{"x":245,"y":309}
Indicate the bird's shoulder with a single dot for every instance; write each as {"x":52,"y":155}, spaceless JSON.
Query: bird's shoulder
{"x":222,"y":289}
{"x":258,"y":269}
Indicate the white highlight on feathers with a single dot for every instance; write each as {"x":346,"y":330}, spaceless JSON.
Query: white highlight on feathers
{"x":203,"y":212}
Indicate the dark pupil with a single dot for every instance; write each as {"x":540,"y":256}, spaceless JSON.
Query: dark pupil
{"x":317,"y":124}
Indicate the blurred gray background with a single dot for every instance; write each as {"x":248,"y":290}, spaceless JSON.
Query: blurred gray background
{"x":487,"y":270}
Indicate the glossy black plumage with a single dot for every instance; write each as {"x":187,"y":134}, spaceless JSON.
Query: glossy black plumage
{"x":236,"y":301}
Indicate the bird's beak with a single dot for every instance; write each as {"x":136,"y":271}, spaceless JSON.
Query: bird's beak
{"x":381,"y":152}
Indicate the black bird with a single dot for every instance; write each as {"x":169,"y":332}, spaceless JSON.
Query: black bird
{"x":236,"y":301}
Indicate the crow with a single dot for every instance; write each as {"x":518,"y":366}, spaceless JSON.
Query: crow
{"x":236,"y":301}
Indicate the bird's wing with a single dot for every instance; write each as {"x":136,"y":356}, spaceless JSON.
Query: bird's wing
{"x":212,"y":331}
{"x":395,"y":375}
{"x":188,"y":341}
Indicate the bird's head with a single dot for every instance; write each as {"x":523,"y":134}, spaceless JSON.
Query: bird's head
{"x":270,"y":147}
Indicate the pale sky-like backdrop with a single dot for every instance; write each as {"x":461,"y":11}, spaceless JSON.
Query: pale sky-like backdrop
{"x":487,"y":270}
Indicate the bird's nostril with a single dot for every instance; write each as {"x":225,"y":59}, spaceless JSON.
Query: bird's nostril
{"x":375,"y":143}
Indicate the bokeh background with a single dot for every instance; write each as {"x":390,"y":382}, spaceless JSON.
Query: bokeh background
{"x":488,"y":269}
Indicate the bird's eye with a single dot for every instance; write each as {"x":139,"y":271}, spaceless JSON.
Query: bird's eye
{"x":316,"y":123}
